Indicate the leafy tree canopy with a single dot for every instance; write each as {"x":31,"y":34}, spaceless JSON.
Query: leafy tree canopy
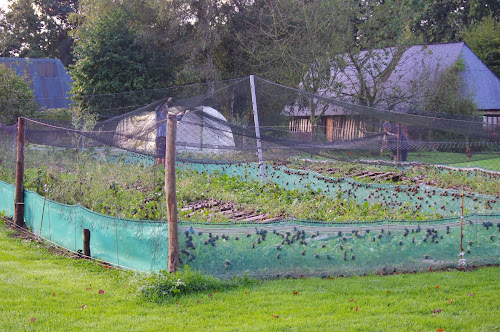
{"x":442,"y":21}
{"x":37,"y":29}
{"x":484,"y":40}
{"x":16,"y":96}
{"x":114,"y":72}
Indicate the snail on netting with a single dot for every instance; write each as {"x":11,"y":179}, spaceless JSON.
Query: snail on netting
{"x":190,"y":244}
{"x":253,"y":245}
{"x":278,"y":256}
{"x":487,"y":225}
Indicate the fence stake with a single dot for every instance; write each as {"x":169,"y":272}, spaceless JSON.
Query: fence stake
{"x":19,"y":191}
{"x":257,"y":129}
{"x":86,"y":242}
{"x":170,"y":193}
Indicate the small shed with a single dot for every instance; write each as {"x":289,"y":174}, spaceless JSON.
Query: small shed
{"x":48,"y":78}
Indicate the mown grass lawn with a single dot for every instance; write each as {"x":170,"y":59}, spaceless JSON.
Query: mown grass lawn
{"x":41,"y":291}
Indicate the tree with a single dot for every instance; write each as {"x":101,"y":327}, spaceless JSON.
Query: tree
{"x":37,"y":28}
{"x":442,"y":21}
{"x":114,"y":71}
{"x":322,"y":45}
{"x":16,"y":97}
{"x":445,"y":93}
{"x":292,"y":43}
{"x":484,"y":41}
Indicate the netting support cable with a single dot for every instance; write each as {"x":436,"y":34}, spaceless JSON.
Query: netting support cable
{"x":257,"y":130}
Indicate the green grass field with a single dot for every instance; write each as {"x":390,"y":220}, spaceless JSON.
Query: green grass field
{"x":42,"y":291}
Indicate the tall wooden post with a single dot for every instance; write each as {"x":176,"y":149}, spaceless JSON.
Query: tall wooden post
{"x":170,"y":193}
{"x":19,"y":191}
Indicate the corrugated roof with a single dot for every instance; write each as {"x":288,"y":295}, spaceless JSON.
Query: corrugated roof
{"x":48,"y":78}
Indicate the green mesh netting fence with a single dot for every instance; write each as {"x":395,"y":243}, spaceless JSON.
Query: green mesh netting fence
{"x":351,"y":160}
{"x":286,"y":247}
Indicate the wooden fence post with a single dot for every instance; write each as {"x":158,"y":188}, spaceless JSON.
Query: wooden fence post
{"x":86,"y":242}
{"x":19,"y":186}
{"x":170,"y":193}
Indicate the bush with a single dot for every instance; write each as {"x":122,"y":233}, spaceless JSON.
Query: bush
{"x":16,"y":97}
{"x":163,"y":287}
{"x":58,"y":115}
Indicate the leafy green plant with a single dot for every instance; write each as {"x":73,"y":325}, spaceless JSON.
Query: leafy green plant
{"x":164,"y":286}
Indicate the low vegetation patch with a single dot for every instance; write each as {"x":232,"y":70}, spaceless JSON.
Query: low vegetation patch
{"x":164,"y":287}
{"x":136,"y":191}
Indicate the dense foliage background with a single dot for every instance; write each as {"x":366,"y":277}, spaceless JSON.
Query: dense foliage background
{"x":121,"y":47}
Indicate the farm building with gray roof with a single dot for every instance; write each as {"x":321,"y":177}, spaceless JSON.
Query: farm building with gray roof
{"x":48,"y":78}
{"x":401,"y":90}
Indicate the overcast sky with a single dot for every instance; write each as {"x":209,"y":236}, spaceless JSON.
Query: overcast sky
{"x":3,"y":4}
